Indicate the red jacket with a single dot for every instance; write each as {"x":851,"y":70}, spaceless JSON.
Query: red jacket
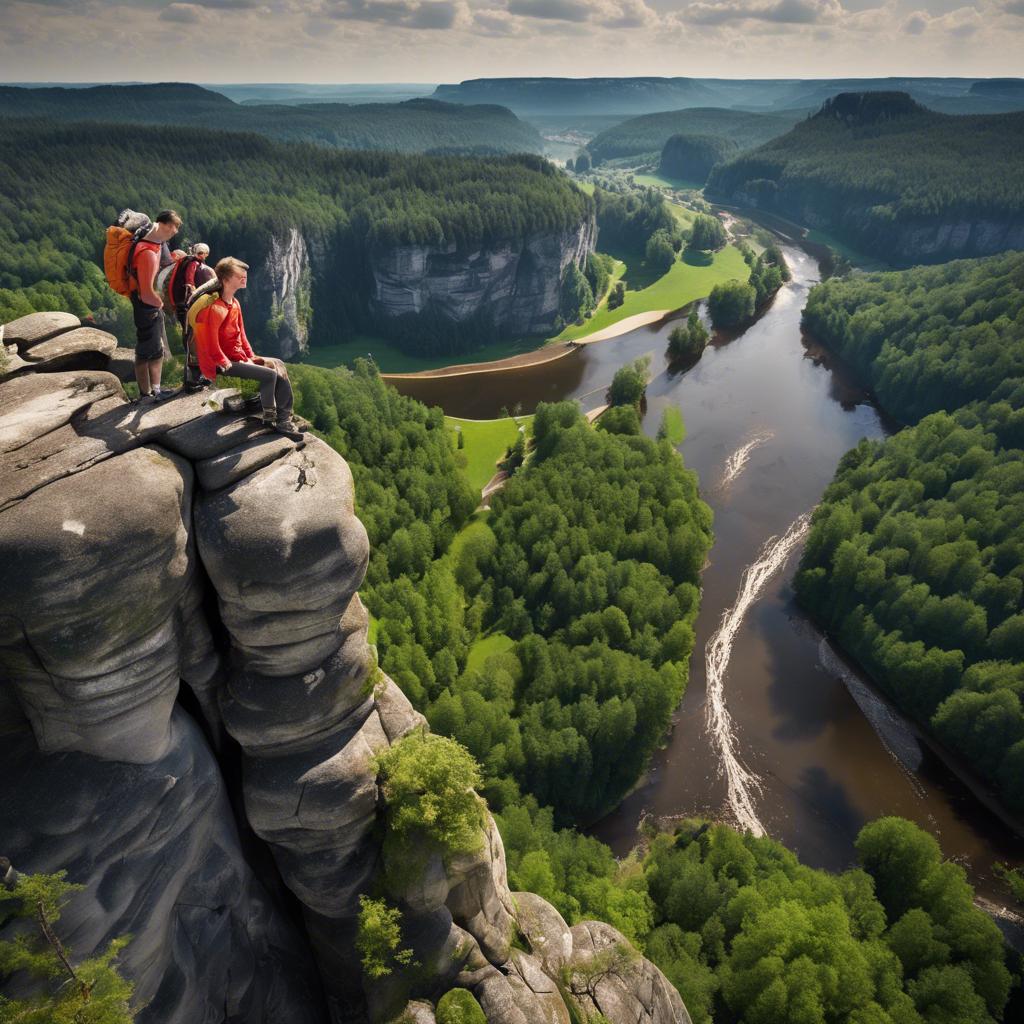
{"x":220,"y":337}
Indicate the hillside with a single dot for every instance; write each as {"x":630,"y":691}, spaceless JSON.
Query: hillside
{"x":337,"y":241}
{"x":897,"y":180}
{"x":643,"y":138}
{"x":414,"y":126}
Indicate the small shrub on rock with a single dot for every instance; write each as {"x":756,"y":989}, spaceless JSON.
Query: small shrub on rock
{"x":459,"y":1007}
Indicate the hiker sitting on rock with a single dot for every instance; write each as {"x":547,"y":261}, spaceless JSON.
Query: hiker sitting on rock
{"x":223,"y":348}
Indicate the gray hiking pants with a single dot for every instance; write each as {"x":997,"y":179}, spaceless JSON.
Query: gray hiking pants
{"x":275,"y":387}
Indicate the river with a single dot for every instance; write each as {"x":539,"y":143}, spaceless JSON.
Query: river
{"x":769,"y":735}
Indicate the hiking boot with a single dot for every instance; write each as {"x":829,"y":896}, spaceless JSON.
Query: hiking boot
{"x":162,"y":394}
{"x":287,"y":426}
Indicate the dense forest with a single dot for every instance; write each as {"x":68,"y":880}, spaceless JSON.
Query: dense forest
{"x":929,"y":338}
{"x":415,"y":126}
{"x":873,"y":166}
{"x":577,"y":593}
{"x":237,"y":191}
{"x":691,"y":157}
{"x":641,"y":139}
{"x":916,"y":557}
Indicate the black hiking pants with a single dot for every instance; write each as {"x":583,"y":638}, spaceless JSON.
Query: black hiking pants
{"x":275,"y":387}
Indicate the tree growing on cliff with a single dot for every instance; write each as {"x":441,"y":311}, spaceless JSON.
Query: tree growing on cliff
{"x":379,"y":938}
{"x":429,"y":784}
{"x":732,"y":303}
{"x":576,"y":296}
{"x":87,"y":992}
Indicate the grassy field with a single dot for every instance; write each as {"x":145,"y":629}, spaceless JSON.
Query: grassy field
{"x":390,"y":359}
{"x":483,"y":648}
{"x":659,"y":181}
{"x":691,"y":277}
{"x":486,"y":441}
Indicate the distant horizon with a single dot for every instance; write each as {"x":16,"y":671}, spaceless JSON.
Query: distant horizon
{"x":476,"y":78}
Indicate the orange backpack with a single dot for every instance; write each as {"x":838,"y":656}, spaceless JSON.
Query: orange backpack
{"x":122,"y":238}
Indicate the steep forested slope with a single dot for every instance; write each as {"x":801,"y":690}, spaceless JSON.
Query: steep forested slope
{"x":643,"y":138}
{"x":886,"y":174}
{"x":916,"y":557}
{"x":415,"y":126}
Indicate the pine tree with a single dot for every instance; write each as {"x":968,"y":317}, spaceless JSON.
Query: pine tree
{"x":87,"y":992}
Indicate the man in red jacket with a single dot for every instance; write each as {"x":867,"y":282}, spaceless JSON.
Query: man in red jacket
{"x":223,"y":348}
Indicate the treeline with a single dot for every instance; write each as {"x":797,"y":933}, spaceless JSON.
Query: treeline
{"x":414,"y":126}
{"x":916,"y":557}
{"x":236,"y":192}
{"x":868,"y":164}
{"x":642,"y":139}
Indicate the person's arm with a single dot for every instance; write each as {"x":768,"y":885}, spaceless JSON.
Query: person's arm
{"x":147,"y":264}
{"x":208,"y":335}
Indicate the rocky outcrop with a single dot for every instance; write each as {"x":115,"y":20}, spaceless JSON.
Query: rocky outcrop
{"x":511,"y":287}
{"x":279,"y":296}
{"x":178,"y":592}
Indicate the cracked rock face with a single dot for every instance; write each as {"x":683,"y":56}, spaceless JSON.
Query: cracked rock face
{"x":174,"y":581}
{"x":515,"y":286}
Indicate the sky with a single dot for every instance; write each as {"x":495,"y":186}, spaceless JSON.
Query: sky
{"x":432,"y":41}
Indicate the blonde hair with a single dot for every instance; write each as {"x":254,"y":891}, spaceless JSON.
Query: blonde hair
{"x":228,"y":267}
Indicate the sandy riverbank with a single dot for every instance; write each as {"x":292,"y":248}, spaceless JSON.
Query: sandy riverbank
{"x":545,"y":354}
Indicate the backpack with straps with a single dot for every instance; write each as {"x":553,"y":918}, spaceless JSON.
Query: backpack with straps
{"x":119,"y":251}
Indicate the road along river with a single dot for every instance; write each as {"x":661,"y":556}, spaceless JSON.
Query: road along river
{"x":776,"y":733}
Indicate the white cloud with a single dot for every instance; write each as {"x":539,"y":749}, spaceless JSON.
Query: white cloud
{"x":787,"y":12}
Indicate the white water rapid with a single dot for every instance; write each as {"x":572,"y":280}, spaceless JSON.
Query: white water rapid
{"x":736,"y":463}
{"x":743,"y":785}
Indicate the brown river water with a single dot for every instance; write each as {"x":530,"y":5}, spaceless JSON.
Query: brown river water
{"x":774,"y":733}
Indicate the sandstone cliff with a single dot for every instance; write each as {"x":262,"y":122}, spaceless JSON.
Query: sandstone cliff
{"x":504,"y":288}
{"x":190,"y":711}
{"x":513,"y":287}
{"x":899,"y":242}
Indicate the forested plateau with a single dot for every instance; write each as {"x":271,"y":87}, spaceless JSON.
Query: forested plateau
{"x":891,"y":178}
{"x":414,"y":126}
{"x":337,"y":241}
{"x":641,"y":139}
{"x":916,"y":557}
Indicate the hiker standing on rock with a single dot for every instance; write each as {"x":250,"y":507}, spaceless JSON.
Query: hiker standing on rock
{"x":147,"y":306}
{"x":223,"y":348}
